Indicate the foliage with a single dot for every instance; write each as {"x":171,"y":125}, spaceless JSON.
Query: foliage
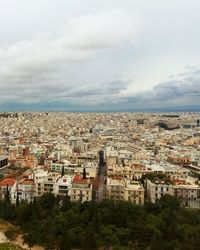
{"x":155,"y":176}
{"x":88,"y":226}
{"x":8,"y":246}
{"x":11,"y":233}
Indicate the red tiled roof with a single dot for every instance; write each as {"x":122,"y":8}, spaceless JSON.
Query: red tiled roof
{"x":79,"y":180}
{"x":77,"y":177}
{"x":179,"y":182}
{"x":26,"y":182}
{"x":7,"y":181}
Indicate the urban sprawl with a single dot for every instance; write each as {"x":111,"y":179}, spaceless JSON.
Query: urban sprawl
{"x":94,"y":156}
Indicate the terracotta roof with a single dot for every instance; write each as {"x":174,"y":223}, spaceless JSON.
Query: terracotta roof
{"x":77,"y":179}
{"x":7,"y":181}
{"x":26,"y":182}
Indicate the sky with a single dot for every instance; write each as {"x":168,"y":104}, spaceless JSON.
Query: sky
{"x":99,"y":55}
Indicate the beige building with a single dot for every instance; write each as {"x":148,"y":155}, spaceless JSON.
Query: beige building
{"x":81,"y":189}
{"x":188,"y":192}
{"x":121,"y":189}
{"x":115,"y":189}
{"x":134,"y":192}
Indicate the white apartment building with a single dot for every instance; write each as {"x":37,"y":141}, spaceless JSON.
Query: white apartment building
{"x":69,"y":168}
{"x":6,"y":184}
{"x":25,"y":189}
{"x":155,"y":190}
{"x":63,"y":186}
{"x":187,"y":192}
{"x":45,"y":182}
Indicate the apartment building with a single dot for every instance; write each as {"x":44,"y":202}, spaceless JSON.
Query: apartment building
{"x":57,"y":166}
{"x":25,"y":189}
{"x":45,"y":182}
{"x":134,"y":192}
{"x":184,"y":189}
{"x":62,"y":186}
{"x":3,"y":162}
{"x":6,"y":184}
{"x":188,"y":192}
{"x":122,"y":189}
{"x":81,"y":189}
{"x":115,"y":189}
{"x":156,"y":189}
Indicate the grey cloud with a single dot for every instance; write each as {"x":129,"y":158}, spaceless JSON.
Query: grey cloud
{"x":174,"y":92}
{"x":189,"y":85}
{"x":80,"y":53}
{"x":42,"y":69}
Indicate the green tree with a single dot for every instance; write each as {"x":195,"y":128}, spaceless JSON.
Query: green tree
{"x":7,"y":195}
{"x":17,"y":199}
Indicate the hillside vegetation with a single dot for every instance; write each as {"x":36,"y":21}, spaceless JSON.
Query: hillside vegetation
{"x":90,"y":225}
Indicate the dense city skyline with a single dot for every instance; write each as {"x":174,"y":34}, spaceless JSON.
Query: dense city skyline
{"x":99,"y":181}
{"x":99,"y":56}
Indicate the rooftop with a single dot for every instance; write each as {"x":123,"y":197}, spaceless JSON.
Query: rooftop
{"x":7,"y":181}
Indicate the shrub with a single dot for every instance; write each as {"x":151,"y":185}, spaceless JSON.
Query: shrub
{"x":11,"y":233}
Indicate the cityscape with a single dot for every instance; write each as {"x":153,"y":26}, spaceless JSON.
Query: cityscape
{"x":95,"y":156}
{"x":99,"y":125}
{"x":138,"y":158}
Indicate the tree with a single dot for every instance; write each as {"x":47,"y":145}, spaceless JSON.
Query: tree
{"x":169,"y":201}
{"x":65,"y":202}
{"x":84,"y":173}
{"x":63,"y":171}
{"x":47,"y":201}
{"x":89,"y":241}
{"x":7,"y":195}
{"x":17,"y":200}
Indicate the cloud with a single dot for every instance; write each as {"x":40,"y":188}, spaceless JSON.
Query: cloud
{"x":102,"y":30}
{"x":50,"y":67}
{"x":181,"y":90}
{"x":179,"y":87}
{"x":94,"y":58}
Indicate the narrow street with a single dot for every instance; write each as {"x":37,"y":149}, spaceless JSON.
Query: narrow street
{"x":102,"y":180}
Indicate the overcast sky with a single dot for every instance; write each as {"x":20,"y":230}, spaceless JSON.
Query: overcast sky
{"x":99,"y":55}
